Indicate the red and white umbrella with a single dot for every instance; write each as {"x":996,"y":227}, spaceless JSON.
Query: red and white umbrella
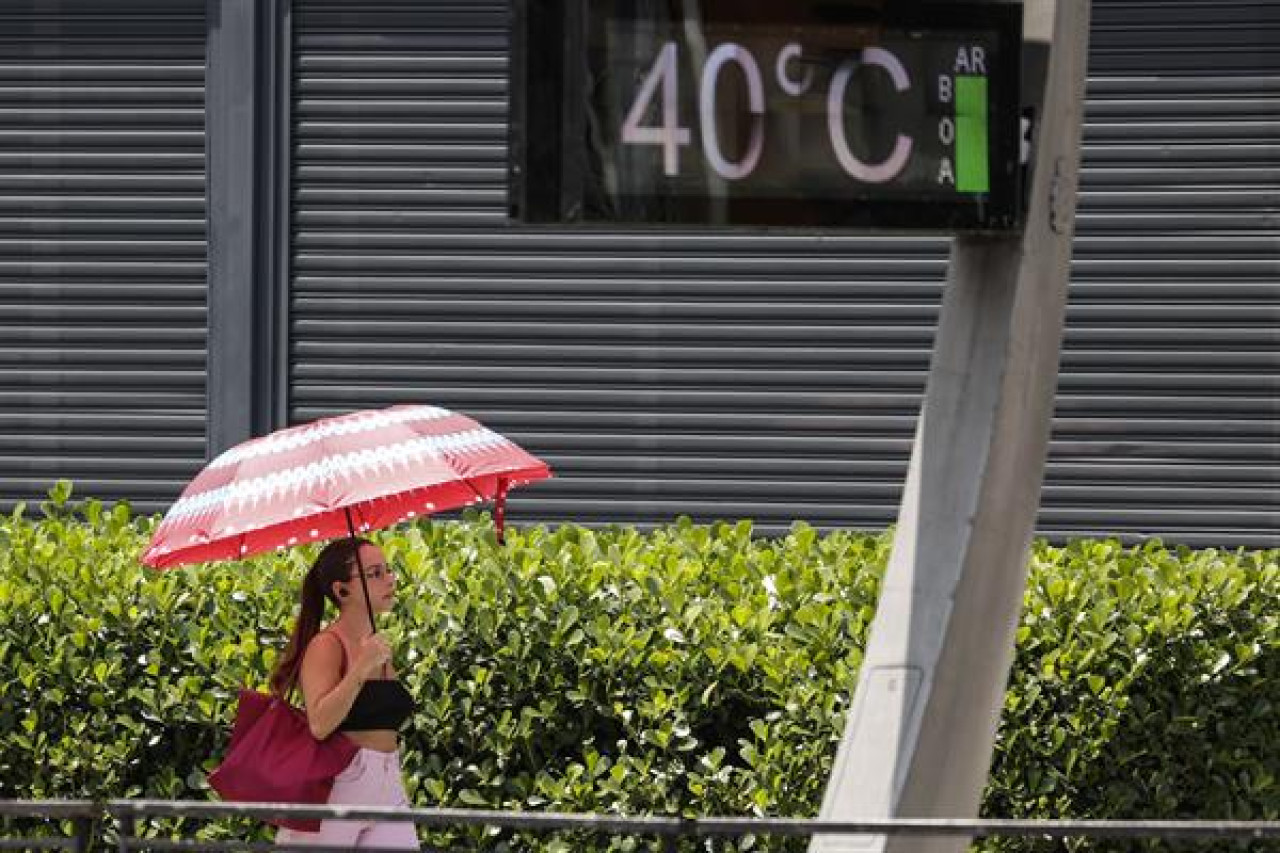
{"x":339,"y":476}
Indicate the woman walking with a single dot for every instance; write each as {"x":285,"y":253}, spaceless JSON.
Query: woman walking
{"x":350,"y":687}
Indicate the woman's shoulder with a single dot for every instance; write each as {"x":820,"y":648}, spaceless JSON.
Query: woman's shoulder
{"x":326,"y":646}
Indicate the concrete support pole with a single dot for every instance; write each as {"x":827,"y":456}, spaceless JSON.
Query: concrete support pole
{"x":919,"y":738}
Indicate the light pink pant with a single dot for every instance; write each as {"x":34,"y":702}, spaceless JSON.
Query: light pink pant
{"x":371,"y":779}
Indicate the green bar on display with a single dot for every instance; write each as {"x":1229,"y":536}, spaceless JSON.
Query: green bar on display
{"x":971,"y":135}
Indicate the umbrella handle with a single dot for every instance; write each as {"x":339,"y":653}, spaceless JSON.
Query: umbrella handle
{"x":364,"y":584}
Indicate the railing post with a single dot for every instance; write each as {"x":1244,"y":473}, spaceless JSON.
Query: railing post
{"x":82,"y":834}
{"x":127,"y":830}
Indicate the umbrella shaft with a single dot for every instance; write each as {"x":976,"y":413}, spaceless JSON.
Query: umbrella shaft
{"x":364,"y":584}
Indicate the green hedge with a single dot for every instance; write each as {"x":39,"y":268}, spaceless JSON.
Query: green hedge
{"x":689,"y":670}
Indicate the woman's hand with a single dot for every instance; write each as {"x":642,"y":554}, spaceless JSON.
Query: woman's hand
{"x":374,"y":653}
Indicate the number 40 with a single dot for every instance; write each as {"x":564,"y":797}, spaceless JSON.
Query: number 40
{"x":670,"y":134}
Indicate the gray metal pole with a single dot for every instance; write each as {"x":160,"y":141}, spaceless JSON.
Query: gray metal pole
{"x":247,"y":135}
{"x":920,"y":733}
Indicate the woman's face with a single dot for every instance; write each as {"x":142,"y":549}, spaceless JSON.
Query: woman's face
{"x":378,"y":575}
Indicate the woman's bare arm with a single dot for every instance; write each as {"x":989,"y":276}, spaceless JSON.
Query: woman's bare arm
{"x":328,"y":695}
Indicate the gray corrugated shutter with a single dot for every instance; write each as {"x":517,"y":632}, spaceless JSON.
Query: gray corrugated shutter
{"x":779,"y":378}
{"x":1169,"y":409}
{"x":102,"y":247}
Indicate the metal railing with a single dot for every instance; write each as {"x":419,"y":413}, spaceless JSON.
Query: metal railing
{"x":81,"y":813}
{"x":84,"y":816}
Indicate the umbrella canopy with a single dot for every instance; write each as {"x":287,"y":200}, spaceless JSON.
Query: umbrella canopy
{"x":336,"y":477}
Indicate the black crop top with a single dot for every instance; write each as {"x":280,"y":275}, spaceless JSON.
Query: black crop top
{"x":382,"y":703}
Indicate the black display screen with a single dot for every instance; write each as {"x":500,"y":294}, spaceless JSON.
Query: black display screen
{"x":805,"y":113}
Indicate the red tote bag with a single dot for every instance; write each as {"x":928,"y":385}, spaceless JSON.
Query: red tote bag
{"x":273,"y":758}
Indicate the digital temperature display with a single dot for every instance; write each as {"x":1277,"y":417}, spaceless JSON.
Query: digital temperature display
{"x":806,"y":113}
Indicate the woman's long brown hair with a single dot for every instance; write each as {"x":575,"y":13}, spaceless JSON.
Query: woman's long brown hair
{"x":334,"y":563}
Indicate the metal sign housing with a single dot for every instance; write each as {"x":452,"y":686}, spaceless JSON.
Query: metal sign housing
{"x":812,"y":113}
